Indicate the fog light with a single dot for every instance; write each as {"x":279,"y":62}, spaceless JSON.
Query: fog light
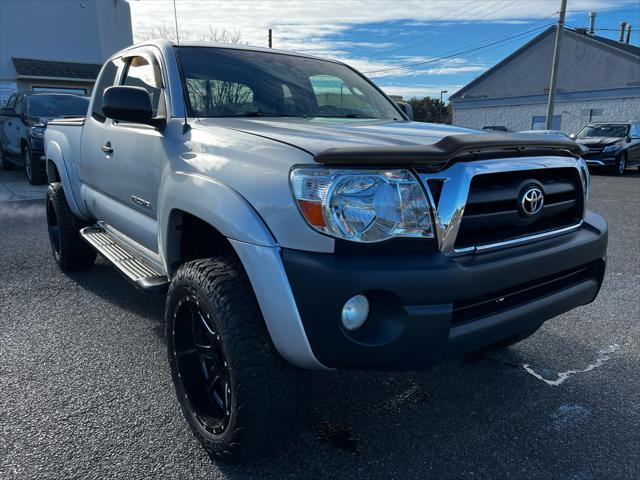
{"x":355,"y":312}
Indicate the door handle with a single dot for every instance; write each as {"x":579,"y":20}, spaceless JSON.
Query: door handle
{"x":106,"y":148}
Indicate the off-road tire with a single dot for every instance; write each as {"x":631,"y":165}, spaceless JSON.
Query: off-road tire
{"x":33,"y":168}
{"x":5,"y":163}
{"x":70,"y":251}
{"x":266,"y":393}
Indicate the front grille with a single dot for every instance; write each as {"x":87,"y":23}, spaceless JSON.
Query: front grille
{"x":593,"y":152}
{"x":493,"y":214}
{"x":481,"y":307}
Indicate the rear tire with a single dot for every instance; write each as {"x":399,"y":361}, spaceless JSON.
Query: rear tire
{"x":5,"y":163}
{"x":69,"y":250}
{"x":33,"y":168}
{"x":240,"y":398}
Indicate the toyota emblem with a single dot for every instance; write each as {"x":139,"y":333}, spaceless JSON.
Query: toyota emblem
{"x":532,"y":201}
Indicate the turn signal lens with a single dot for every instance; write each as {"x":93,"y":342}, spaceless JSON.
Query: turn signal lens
{"x":363,"y":205}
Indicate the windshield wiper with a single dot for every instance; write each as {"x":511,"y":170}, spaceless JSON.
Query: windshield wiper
{"x":347,"y":115}
{"x":265,"y":114}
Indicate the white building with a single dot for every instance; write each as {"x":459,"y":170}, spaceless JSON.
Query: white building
{"x":58,"y":45}
{"x":598,"y":79}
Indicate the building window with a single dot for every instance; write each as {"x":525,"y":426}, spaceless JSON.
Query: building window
{"x":78,"y":91}
{"x":540,"y":122}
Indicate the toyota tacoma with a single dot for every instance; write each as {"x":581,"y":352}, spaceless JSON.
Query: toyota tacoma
{"x":298,"y":219}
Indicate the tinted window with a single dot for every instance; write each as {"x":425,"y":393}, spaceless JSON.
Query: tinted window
{"x":141,"y":73}
{"x":232,"y":82}
{"x":57,"y":106}
{"x":107,"y":79}
{"x":604,"y":130}
{"x":20,"y":105}
{"x":11,"y":103}
{"x":210,"y":98}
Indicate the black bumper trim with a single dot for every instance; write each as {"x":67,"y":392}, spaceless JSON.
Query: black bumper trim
{"x":412,"y":297}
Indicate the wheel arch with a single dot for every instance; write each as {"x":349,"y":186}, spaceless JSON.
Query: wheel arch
{"x":56,"y":172}
{"x":193,"y":206}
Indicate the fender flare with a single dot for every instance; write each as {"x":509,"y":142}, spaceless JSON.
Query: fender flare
{"x":211,"y":201}
{"x":53,"y":153}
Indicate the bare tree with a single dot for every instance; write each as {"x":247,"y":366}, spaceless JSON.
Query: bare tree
{"x":216,"y":35}
{"x":210,"y":96}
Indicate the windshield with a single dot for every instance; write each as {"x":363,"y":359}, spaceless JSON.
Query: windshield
{"x":224,"y":82}
{"x":604,"y":130}
{"x":57,"y":106}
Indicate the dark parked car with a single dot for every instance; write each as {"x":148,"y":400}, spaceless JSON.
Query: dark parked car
{"x":613,"y":145}
{"x":22,"y":124}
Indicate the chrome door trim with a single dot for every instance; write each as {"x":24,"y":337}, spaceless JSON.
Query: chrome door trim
{"x":455,"y":190}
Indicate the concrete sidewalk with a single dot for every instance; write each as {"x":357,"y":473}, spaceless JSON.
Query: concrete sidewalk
{"x":14,"y":186}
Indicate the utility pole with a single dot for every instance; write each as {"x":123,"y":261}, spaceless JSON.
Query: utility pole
{"x":440,"y":106}
{"x":270,"y":39}
{"x":554,"y":67}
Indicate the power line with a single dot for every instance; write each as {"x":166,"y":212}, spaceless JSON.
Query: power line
{"x":457,"y":52}
{"x":423,"y":38}
{"x":443,"y":16}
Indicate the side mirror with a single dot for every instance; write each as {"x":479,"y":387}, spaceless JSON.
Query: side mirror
{"x":628,"y":139}
{"x":572,"y":136}
{"x":129,"y":104}
{"x":406,"y":109}
{"x":8,"y":112}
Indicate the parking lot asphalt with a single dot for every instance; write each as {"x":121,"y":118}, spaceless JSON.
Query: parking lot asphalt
{"x":85,"y":390}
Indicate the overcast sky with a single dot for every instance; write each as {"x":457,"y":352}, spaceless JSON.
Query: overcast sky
{"x":400,"y":44}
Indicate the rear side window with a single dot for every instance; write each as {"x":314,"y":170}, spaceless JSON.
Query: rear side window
{"x":145,"y":74}
{"x":107,"y":79}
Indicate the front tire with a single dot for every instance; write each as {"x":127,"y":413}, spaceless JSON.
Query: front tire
{"x":621,"y":165}
{"x":69,"y":250}
{"x":240,"y":398}
{"x":33,"y":169}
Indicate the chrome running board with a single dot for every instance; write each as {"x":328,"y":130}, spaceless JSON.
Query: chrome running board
{"x":133,"y":267}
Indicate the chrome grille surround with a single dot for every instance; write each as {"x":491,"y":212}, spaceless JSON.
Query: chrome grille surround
{"x":456,"y":182}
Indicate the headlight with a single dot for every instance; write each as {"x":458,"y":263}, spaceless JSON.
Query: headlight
{"x":362,"y":205}
{"x":37,"y":131}
{"x":611,"y":148}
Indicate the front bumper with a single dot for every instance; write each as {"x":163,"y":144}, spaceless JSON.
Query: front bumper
{"x":601,"y":159}
{"x":427,"y":306}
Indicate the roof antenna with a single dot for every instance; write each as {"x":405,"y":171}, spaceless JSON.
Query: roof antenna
{"x":175,"y":18}
{"x":185,"y":125}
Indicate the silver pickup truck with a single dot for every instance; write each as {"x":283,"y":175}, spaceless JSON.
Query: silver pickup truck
{"x":297,"y":219}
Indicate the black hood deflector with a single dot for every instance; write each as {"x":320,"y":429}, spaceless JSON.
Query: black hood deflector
{"x":451,"y":148}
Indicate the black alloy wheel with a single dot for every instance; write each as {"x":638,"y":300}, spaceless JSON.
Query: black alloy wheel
{"x":202,"y":367}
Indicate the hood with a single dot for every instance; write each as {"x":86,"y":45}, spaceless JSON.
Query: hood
{"x":38,"y":120}
{"x":598,"y":141}
{"x":318,"y":134}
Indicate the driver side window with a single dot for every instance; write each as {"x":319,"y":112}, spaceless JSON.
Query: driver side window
{"x":143,"y":73}
{"x":635,"y":131}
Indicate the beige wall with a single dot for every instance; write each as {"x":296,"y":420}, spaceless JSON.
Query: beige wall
{"x":575,"y":115}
